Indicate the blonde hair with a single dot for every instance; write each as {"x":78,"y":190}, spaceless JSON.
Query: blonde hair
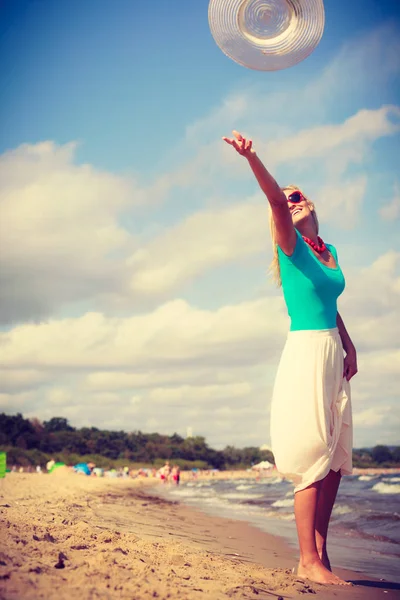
{"x":274,"y":268}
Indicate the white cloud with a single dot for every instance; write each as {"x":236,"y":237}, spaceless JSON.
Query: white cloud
{"x":57,"y":396}
{"x":371,"y":417}
{"x":372,"y":300}
{"x":146,"y":366}
{"x":204,"y":240}
{"x":174,"y":333}
{"x":357,"y":131}
{"x":16,"y":380}
{"x":59,"y":230}
{"x":134,"y":371}
{"x":391,"y":210}
{"x":205,"y":394}
{"x":19,"y":402}
{"x":371,"y":56}
{"x":120,"y":381}
{"x":341,"y":203}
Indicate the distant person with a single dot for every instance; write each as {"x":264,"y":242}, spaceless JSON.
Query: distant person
{"x":50,"y":464}
{"x":176,"y":474}
{"x":167,"y":471}
{"x":311,"y":421}
{"x":164,"y":472}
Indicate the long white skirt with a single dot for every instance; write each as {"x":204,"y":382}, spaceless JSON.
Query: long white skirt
{"x":311,"y":420}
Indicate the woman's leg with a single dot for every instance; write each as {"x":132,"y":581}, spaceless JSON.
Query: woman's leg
{"x":326,"y":500}
{"x":305,"y":510}
{"x":310,"y":565}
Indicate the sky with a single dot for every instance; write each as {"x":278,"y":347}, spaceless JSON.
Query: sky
{"x":134,"y":243}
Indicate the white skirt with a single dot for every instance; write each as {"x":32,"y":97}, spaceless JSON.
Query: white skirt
{"x":311,"y":420}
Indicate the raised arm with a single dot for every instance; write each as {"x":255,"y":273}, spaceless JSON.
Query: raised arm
{"x":350,"y":360}
{"x":285,"y":232}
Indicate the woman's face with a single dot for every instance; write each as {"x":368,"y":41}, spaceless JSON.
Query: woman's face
{"x":298,"y":206}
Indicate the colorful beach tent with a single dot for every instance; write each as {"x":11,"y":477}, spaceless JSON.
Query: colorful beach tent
{"x":265,"y":464}
{"x":82,"y":468}
{"x":56,"y":465}
{"x":3,"y":461}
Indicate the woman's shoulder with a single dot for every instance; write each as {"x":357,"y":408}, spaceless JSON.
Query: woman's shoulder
{"x":297,"y":252}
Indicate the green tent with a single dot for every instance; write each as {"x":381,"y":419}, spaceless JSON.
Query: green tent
{"x":3,"y":461}
{"x":56,"y":465}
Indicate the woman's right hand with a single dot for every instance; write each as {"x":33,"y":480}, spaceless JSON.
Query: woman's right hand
{"x":242,"y":146}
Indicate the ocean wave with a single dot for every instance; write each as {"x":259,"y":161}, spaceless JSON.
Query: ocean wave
{"x":386,"y":488}
{"x":272,"y":480}
{"x":366,"y":477}
{"x":233,"y":496}
{"x":274,"y":514}
{"x":391,"y":479}
{"x":198,"y":484}
{"x":283,"y":503}
{"x":244,"y":487}
{"x":186,"y":492}
{"x":342,"y":509}
{"x":386,"y":517}
{"x":229,"y":508}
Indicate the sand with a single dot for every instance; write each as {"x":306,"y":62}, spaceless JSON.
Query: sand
{"x":66,"y":536}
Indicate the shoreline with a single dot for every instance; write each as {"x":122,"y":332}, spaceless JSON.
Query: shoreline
{"x":70,"y":536}
{"x":358,"y":541}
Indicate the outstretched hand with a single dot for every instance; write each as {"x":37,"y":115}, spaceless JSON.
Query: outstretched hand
{"x":242,"y":146}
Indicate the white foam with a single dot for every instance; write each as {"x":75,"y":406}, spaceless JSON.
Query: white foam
{"x":233,"y":496}
{"x":244,"y":487}
{"x":342,"y":510}
{"x":232,"y":508}
{"x":386,"y":488}
{"x":281,"y":516}
{"x":283,"y":503}
{"x":391,"y":479}
{"x":191,"y":492}
{"x":272,"y":481}
{"x":366,"y":477}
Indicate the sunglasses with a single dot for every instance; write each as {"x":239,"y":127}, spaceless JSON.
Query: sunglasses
{"x":295,"y":197}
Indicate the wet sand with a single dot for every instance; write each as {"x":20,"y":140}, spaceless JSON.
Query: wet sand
{"x":65,"y":536}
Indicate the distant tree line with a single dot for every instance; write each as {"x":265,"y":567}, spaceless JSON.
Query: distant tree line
{"x":29,"y":441}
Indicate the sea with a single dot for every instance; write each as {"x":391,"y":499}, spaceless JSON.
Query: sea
{"x":364,"y":533}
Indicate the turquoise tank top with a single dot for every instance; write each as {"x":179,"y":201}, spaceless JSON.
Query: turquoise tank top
{"x":310,"y":288}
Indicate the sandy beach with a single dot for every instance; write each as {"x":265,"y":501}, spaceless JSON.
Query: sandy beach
{"x":65,"y":536}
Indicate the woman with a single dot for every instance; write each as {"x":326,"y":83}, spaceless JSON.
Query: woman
{"x":311,"y":424}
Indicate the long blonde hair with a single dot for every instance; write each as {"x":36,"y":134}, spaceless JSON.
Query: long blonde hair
{"x":274,"y":268}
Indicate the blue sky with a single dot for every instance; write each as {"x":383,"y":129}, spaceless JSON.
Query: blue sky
{"x":126,"y":213}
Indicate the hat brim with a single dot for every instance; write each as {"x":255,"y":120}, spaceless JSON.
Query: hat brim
{"x":267,"y":35}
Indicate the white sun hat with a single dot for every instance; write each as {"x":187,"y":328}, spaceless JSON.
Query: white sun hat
{"x":267,"y":35}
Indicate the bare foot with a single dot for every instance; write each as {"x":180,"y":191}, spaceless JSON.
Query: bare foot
{"x":318,"y":573}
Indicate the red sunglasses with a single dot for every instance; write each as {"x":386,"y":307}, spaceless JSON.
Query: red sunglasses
{"x":295,"y":197}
